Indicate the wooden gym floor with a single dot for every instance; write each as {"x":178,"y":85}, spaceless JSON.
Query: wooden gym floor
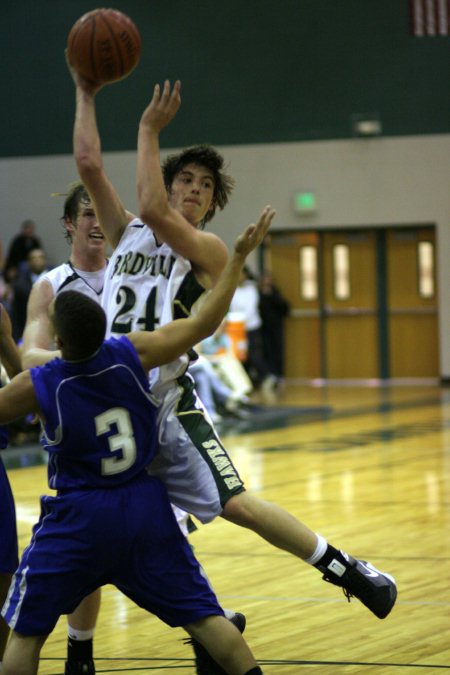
{"x":368,"y":468}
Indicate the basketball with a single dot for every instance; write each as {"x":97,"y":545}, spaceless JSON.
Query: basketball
{"x":104,"y":46}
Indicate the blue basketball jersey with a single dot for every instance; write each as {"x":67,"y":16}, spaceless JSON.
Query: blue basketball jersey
{"x":100,"y":420}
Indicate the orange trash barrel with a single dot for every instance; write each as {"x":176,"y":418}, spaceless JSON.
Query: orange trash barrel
{"x":235,"y":329}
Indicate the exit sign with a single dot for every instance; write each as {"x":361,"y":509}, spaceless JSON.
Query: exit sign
{"x":305,"y":202}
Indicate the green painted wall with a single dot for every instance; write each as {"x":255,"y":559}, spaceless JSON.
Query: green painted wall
{"x":251,"y":72}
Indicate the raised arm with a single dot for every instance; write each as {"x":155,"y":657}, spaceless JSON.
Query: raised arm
{"x":175,"y":338}
{"x":206,"y":252}
{"x":111,"y":213}
{"x":9,"y":352}
{"x":151,"y":191}
{"x":37,"y":342}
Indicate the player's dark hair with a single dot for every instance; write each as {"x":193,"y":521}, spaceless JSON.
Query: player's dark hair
{"x":76,"y":195}
{"x":80,"y":323}
{"x":208,"y":157}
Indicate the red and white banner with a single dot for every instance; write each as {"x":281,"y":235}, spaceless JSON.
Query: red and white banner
{"x":430,"y":17}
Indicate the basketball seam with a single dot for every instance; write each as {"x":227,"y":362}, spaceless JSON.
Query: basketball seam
{"x":116,"y":45}
{"x":91,"y":46}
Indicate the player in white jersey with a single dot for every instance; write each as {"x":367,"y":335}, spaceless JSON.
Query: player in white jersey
{"x":174,"y":204}
{"x":83,"y":272}
{"x":149,"y":284}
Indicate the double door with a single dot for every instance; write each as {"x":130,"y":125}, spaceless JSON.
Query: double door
{"x":363,"y":302}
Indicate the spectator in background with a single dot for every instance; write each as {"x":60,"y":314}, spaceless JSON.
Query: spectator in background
{"x":19,"y":249}
{"x":36,"y":263}
{"x":218,"y":350}
{"x":246,"y":302}
{"x":214,"y":392}
{"x":273,"y":308}
{"x":23,"y":430}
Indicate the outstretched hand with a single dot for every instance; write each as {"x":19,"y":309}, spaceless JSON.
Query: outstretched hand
{"x":255,"y":233}
{"x":163,"y":107}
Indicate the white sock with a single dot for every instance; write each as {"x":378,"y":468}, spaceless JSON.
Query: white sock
{"x":229,"y":613}
{"x":319,"y":551}
{"x":80,"y":635}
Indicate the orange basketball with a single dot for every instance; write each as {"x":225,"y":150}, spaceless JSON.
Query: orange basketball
{"x":103,"y":46}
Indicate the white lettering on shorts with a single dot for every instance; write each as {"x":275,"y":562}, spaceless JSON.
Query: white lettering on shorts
{"x":222,"y":464}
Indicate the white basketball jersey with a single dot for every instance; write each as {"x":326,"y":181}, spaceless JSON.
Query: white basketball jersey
{"x":148,"y":285}
{"x":66,"y":278}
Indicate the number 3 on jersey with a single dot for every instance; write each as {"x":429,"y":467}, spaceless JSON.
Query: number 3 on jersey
{"x":123,"y":440}
{"x":126,"y":299}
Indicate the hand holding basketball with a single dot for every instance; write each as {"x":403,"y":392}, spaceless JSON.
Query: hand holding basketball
{"x":103,"y":46}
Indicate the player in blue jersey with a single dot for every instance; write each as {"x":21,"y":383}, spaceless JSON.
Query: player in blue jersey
{"x":110,"y":521}
{"x":9,"y":556}
{"x":84,"y":271}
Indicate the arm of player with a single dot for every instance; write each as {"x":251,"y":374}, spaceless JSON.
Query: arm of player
{"x":110,"y":212}
{"x":37,"y":340}
{"x":18,"y":398}
{"x":175,"y":338}
{"x":9,"y":352}
{"x":206,"y":252}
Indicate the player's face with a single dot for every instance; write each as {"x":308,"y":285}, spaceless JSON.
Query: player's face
{"x":192,"y":192}
{"x":86,"y":232}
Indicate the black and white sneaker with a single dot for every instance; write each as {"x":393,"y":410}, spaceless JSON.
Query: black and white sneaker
{"x":360,"y":579}
{"x":79,"y":667}
{"x":204,"y":663}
